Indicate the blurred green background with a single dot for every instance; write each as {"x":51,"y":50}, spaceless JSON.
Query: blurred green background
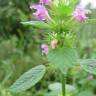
{"x":20,"y":51}
{"x":19,"y":45}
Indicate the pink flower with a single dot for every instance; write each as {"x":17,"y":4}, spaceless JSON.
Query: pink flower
{"x":80,"y":14}
{"x":46,"y":2}
{"x":45,"y":49}
{"x":41,"y":12}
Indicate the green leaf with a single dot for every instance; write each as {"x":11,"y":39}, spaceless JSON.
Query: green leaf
{"x":63,"y":58}
{"x":57,"y":88}
{"x":38,"y":24}
{"x":28,"y":79}
{"x":89,"y":65}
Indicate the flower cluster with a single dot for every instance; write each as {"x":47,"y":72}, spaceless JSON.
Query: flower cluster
{"x":41,"y":14}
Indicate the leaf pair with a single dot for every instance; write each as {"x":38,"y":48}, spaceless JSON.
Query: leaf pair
{"x":65,"y":58}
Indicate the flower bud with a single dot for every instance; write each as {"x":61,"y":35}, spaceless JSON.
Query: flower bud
{"x":54,"y":43}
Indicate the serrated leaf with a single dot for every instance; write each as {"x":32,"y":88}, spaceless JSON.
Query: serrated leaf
{"x":38,"y":24}
{"x":89,"y":65}
{"x":63,"y":58}
{"x":28,"y":79}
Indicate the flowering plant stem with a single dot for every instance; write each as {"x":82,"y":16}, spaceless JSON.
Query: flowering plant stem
{"x":63,"y":80}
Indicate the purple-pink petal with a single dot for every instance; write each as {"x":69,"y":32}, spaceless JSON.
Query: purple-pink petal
{"x":80,"y":14}
{"x":45,"y":49}
{"x":41,"y":12}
